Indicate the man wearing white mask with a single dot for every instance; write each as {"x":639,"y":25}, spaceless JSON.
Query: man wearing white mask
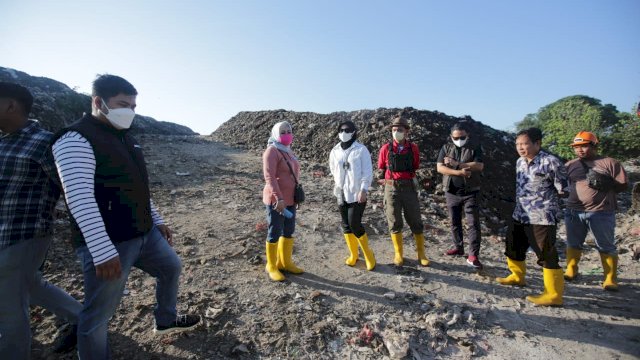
{"x":460,"y":163}
{"x":350,"y":165}
{"x":115,"y":223}
{"x":398,"y":161}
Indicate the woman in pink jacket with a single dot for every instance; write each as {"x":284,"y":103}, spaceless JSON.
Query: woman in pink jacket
{"x":281,"y":170}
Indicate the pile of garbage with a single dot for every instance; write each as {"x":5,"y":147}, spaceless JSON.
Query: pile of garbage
{"x":315,"y":135}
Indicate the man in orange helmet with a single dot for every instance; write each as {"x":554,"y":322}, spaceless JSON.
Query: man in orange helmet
{"x":594,"y":181}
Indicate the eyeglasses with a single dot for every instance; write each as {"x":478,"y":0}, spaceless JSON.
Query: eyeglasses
{"x":459,"y":138}
{"x":345,"y":131}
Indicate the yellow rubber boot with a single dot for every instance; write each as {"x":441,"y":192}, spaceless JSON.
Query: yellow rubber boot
{"x":397,"y":246}
{"x":422,"y":258}
{"x":610,"y":266}
{"x":553,"y":289}
{"x":280,"y":262}
{"x":518,"y":270}
{"x":352,"y":245}
{"x":573,"y":258}
{"x":369,"y":258}
{"x":285,"y":251}
{"x":272,"y":258}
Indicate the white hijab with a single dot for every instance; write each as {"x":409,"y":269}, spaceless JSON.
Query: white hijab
{"x":275,"y":137}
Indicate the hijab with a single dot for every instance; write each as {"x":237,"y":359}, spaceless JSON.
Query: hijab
{"x":352,"y":128}
{"x":274,"y":139}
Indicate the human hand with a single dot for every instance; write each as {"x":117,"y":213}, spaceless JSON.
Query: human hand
{"x":450,"y":162}
{"x":280,"y":205}
{"x":466,"y":172}
{"x":110,"y":270}
{"x":362,"y":197}
{"x":166,"y":233}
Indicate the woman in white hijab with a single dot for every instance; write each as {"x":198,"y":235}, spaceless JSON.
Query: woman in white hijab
{"x":281,"y":171}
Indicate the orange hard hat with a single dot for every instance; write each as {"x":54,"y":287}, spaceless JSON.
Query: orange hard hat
{"x":583,"y":138}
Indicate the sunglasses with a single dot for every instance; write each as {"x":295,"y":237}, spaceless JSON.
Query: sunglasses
{"x":459,"y":138}
{"x":345,"y":131}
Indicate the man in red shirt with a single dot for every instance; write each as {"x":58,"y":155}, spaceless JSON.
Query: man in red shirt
{"x":398,"y":162}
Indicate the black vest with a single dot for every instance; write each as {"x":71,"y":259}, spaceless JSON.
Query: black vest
{"x":121,"y":180}
{"x":400,"y":162}
{"x":471,"y":184}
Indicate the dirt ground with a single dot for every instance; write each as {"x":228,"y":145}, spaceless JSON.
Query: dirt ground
{"x":210,"y":195}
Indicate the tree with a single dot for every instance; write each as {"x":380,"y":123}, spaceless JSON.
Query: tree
{"x":529,"y":121}
{"x":624,"y":140}
{"x":561,"y":120}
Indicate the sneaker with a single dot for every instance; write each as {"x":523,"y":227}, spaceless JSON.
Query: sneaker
{"x":455,"y":252}
{"x":182,"y":323}
{"x":473,"y":261}
{"x":66,"y":340}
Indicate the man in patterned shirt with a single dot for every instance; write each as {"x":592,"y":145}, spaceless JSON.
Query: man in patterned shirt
{"x":541,"y":179}
{"x":28,"y":193}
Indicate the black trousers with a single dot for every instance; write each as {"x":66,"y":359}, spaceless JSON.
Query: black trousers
{"x":352,"y":218}
{"x":541,"y":238}
{"x":457,"y":204}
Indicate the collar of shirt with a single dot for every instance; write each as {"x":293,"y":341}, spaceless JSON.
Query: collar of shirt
{"x":29,"y":127}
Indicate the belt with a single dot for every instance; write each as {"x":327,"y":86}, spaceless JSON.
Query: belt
{"x":399,"y":182}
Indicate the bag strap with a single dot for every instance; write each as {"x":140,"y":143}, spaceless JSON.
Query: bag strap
{"x":584,"y":166}
{"x":289,"y":165}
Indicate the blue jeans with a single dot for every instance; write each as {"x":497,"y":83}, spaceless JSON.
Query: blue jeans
{"x":21,"y":284}
{"x":601,"y":223}
{"x":280,"y":225}
{"x":150,"y":253}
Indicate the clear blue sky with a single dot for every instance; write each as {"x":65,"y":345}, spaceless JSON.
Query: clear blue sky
{"x":198,"y":63}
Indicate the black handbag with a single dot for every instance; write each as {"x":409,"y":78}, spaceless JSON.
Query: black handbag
{"x":597,"y":180}
{"x":298,"y":192}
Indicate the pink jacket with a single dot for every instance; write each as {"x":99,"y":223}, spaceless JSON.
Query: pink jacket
{"x":279,"y":183}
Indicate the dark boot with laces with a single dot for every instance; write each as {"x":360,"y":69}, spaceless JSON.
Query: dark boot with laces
{"x":66,"y":340}
{"x":180,"y":324}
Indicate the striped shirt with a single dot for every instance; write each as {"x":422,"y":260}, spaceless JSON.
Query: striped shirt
{"x":76,"y":165}
{"x":28,"y":184}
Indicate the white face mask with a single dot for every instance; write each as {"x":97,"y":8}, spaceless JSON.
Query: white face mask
{"x":460,"y":143}
{"x":398,"y":136}
{"x":345,"y":136}
{"x":120,"y":118}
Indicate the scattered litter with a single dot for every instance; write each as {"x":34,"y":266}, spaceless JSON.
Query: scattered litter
{"x":390,"y":295}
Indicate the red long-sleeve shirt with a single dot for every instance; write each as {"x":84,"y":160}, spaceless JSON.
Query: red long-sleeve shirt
{"x":383,"y":161}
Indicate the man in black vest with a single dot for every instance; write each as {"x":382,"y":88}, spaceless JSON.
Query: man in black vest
{"x":116,"y":225}
{"x":461,"y":165}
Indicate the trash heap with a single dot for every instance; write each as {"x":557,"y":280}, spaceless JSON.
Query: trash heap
{"x":315,"y":135}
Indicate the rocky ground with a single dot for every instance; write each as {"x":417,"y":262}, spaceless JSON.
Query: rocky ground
{"x":210,"y":194}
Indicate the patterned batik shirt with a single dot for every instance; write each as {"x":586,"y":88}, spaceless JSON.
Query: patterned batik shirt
{"x":28,"y":184}
{"x":537,"y":186}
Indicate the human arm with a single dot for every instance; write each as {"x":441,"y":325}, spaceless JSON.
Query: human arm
{"x":382,"y":164}
{"x":445,"y":170}
{"x":269,"y":171}
{"x":560,"y":178}
{"x":366,"y":175}
{"x":621,"y":181}
{"x":446,"y":165}
{"x":159,"y":223}
{"x":416,"y":156}
{"x":76,"y":167}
